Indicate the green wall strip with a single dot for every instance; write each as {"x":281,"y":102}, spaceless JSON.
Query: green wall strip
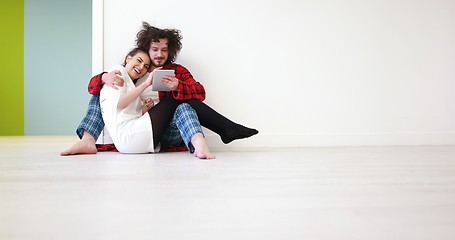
{"x":11,"y":67}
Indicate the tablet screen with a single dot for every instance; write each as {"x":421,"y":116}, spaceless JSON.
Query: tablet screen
{"x":157,"y":75}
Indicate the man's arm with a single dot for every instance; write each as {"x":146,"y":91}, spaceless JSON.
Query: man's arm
{"x":111,"y":79}
{"x":189,"y":91}
{"x":95,"y":84}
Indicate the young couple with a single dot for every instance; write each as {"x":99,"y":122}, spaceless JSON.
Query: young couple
{"x":139,"y":120}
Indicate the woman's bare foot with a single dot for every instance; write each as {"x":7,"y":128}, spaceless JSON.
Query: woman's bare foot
{"x":80,"y":147}
{"x":84,"y":146}
{"x":200,"y":145}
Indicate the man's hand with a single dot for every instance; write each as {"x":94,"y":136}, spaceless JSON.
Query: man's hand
{"x":171,"y":82}
{"x":112,"y":79}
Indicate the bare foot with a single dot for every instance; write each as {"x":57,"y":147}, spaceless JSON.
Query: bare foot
{"x":80,"y":147}
{"x":84,"y":146}
{"x":200,"y":145}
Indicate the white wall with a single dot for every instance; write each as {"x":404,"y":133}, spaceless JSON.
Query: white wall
{"x":309,"y":73}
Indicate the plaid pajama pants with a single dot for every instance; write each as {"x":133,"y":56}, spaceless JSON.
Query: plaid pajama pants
{"x":93,"y":120}
{"x":183,"y":126}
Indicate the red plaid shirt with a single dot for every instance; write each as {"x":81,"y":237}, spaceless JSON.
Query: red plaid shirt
{"x":188,"y":87}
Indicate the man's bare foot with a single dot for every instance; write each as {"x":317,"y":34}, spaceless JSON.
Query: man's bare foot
{"x":200,"y":145}
{"x":84,"y":146}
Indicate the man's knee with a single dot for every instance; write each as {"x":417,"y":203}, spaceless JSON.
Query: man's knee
{"x":185,"y":112}
{"x":184,"y":107}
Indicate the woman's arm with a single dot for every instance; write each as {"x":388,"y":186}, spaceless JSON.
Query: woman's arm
{"x":128,"y":97}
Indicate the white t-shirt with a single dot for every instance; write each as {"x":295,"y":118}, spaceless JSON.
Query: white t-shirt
{"x":130,"y":131}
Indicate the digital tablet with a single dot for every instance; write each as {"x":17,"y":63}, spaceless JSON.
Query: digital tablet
{"x":157,"y":75}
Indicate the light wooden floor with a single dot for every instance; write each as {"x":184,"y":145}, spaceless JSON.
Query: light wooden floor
{"x":300,"y":193}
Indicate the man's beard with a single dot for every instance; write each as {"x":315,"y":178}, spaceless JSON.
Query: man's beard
{"x":156,"y":65}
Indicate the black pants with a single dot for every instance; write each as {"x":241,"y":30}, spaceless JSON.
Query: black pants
{"x":161,"y":116}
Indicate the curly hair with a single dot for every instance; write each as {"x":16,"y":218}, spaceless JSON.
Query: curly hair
{"x":149,"y":34}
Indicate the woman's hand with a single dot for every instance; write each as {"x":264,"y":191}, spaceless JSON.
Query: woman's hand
{"x":112,"y":79}
{"x":147,"y":105}
{"x":149,"y":80}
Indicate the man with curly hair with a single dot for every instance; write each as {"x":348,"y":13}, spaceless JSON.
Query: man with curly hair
{"x":163,"y":46}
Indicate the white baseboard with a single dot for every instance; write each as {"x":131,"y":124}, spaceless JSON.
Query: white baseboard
{"x":318,"y":140}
